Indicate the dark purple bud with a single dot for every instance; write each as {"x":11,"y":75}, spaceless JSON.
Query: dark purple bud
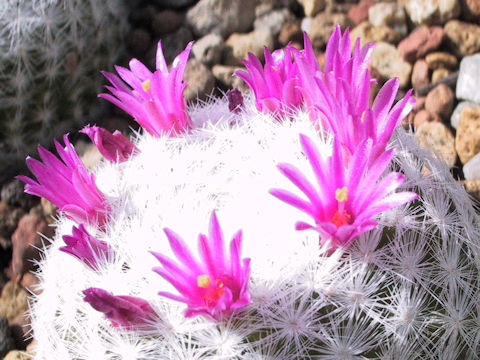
{"x":235,"y":100}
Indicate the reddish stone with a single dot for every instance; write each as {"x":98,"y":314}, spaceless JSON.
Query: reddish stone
{"x":25,"y":240}
{"x":359,"y":12}
{"x":420,"y":42}
{"x":440,"y":101}
{"x":424,"y":116}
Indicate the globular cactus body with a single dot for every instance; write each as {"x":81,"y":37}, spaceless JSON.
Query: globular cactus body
{"x":406,"y":290}
{"x":50,"y":55}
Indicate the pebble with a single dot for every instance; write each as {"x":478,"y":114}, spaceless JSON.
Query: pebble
{"x":138,"y":40}
{"x":431,"y":11}
{"x":13,"y":194}
{"x":462,"y":37}
{"x":208,"y":49}
{"x":440,"y":101}
{"x":440,"y":74}
{"x":239,"y":45}
{"x":273,"y":21}
{"x":200,"y":80}
{"x":436,"y":137}
{"x":16,"y":355}
{"x":420,"y":74}
{"x":312,"y":7}
{"x":359,"y":12}
{"x":14,"y":300}
{"x":471,"y":9}
{"x":455,"y":118}
{"x":26,"y":240}
{"x":388,"y":14}
{"x":467,"y":141}
{"x":472,"y":187}
{"x":388,"y":63}
{"x":471,"y":169}
{"x":6,"y":340}
{"x":225,"y":77}
{"x":221,"y":17}
{"x":369,"y":33}
{"x":424,"y":116}
{"x":323,"y":25}
{"x":440,"y":59}
{"x":290,"y":32}
{"x":420,"y":42}
{"x":469,"y":79}
{"x":166,"y":21}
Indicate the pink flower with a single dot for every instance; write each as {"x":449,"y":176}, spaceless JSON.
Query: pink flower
{"x":275,"y":85}
{"x":214,"y":286}
{"x":123,"y":311}
{"x":347,"y":197}
{"x":155,"y":99}
{"x":86,"y":248}
{"x":114,"y":147}
{"x":67,"y":184}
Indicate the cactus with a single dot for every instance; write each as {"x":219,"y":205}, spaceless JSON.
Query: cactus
{"x":405,"y":288}
{"x":50,"y":55}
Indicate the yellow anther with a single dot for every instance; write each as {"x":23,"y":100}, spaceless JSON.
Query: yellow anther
{"x":146,"y":85}
{"x":341,"y":194}
{"x":362,"y":118}
{"x":203,"y":281}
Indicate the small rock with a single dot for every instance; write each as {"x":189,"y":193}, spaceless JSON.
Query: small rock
{"x":440,"y":74}
{"x":471,"y":169}
{"x":273,"y":21}
{"x":166,"y":21}
{"x":420,"y":42}
{"x":431,"y":11}
{"x":388,"y":14}
{"x":366,"y":32}
{"x":239,"y":45}
{"x":290,"y":32}
{"x":420,"y":74}
{"x":437,"y":137}
{"x":173,"y":3}
{"x":388,"y":63}
{"x":440,"y":101}
{"x":472,"y":187}
{"x":462,"y":37}
{"x":26,"y":241}
{"x":424,"y":116}
{"x":200,"y":80}
{"x":16,"y":355}
{"x":359,"y":12}
{"x":306,"y":24}
{"x":470,"y":9}
{"x":138,"y":41}
{"x":323,"y":25}
{"x":14,"y":300}
{"x":469,"y":79}
{"x":172,"y":44}
{"x":440,"y":59}
{"x":30,"y":282}
{"x":225,"y":77}
{"x":6,"y":340}
{"x":208,"y":49}
{"x":455,"y":118}
{"x":312,"y":7}
{"x":9,"y":218}
{"x":13,"y":194}
{"x":467,"y":141}
{"x":223,"y":17}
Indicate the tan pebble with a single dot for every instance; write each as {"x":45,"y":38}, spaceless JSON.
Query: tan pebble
{"x":17,"y":355}
{"x":436,"y":137}
{"x":440,"y":59}
{"x":440,"y":101}
{"x":467,"y":141}
{"x":472,"y":187}
{"x":440,"y":74}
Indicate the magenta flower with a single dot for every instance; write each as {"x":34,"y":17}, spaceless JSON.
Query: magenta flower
{"x":87,"y":248}
{"x":114,"y":147}
{"x":214,"y":286}
{"x":67,"y":184}
{"x":155,"y":99}
{"x":123,"y":311}
{"x":275,"y":85}
{"x":347,"y":198}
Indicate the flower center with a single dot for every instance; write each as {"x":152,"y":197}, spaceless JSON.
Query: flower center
{"x":213,"y":290}
{"x":341,"y":216}
{"x":146,"y":85}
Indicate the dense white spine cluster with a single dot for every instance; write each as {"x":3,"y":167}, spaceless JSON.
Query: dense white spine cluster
{"x":50,"y":53}
{"x":406,"y":290}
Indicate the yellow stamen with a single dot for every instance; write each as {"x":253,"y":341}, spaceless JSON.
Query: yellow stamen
{"x":203,"y":281}
{"x":146,"y":85}
{"x":362,"y":118}
{"x":341,"y":195}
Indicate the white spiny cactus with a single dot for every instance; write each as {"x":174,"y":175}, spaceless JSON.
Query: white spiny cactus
{"x":50,"y":55}
{"x":406,"y":290}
